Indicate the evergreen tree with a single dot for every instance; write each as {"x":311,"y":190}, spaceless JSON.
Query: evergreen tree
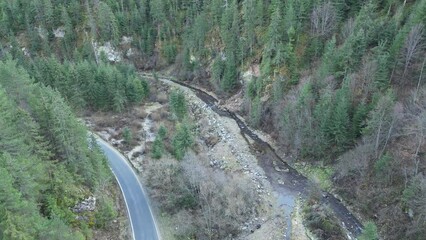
{"x":341,"y":119}
{"x":158,"y":145}
{"x":249,"y":17}
{"x":107,"y":23}
{"x":273,"y":53}
{"x":230,"y":74}
{"x":127,"y":135}
{"x":370,"y":232}
{"x":178,"y":104}
{"x":182,"y":140}
{"x":381,"y":78}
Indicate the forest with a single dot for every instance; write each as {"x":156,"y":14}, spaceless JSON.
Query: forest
{"x":339,"y":84}
{"x":46,"y":164}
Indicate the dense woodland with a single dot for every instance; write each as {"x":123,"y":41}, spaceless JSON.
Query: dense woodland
{"x":47,"y":163}
{"x":340,"y":83}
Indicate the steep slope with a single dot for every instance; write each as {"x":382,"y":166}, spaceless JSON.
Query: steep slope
{"x":46,"y":165}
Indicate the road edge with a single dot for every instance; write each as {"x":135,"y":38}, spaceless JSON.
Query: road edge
{"x":140,"y":185}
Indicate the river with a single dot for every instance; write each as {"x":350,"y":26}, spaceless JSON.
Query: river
{"x":291,"y":184}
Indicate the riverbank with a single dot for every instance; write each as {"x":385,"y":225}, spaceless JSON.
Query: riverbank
{"x":284,"y":178}
{"x":225,"y":150}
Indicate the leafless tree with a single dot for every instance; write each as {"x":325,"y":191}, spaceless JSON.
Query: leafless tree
{"x":415,"y":128}
{"x":381,"y":124}
{"x":348,"y":28}
{"x":362,"y":83}
{"x":323,"y":19}
{"x":225,"y":202}
{"x":413,"y":46}
{"x":355,"y":161}
{"x":420,"y":79}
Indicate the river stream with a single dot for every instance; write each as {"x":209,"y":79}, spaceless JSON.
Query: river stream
{"x":286,"y":181}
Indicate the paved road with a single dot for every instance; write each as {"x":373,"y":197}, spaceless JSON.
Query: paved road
{"x":141,"y":218}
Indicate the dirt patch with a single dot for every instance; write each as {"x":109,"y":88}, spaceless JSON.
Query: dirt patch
{"x":298,"y":231}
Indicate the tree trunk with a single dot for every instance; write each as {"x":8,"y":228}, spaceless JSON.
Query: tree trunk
{"x":420,"y":79}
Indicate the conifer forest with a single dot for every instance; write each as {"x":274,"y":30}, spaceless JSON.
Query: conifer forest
{"x":338,"y":86}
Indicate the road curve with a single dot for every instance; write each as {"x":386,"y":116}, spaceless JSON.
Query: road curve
{"x":141,"y":218}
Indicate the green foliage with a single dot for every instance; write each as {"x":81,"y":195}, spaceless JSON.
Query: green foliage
{"x":157,"y":148}
{"x":320,"y":218}
{"x":136,"y":90}
{"x":229,"y":80}
{"x":370,"y":232}
{"x":45,"y":164}
{"x":341,"y":119}
{"x":182,"y":140}
{"x":350,"y":71}
{"x":382,"y":164}
{"x":274,"y":47}
{"x":169,"y":52}
{"x":85,"y":84}
{"x":162,"y":132}
{"x":177,"y":104}
{"x":360,"y":115}
{"x":158,"y":145}
{"x":127,"y":135}
{"x":217,"y":71}
{"x":107,"y":23}
{"x":105,"y":212}
{"x":250,"y":17}
{"x":255,"y":112}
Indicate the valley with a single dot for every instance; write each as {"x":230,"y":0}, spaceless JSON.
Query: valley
{"x":232,"y":147}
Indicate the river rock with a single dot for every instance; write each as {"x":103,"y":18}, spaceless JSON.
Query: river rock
{"x":86,"y":205}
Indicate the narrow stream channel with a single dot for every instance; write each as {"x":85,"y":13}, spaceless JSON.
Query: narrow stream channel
{"x":292,"y":183}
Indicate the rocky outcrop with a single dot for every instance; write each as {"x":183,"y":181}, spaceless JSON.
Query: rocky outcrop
{"x":87,"y":205}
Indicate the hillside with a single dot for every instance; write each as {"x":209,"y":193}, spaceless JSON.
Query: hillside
{"x":339,"y":85}
{"x":46,"y":166}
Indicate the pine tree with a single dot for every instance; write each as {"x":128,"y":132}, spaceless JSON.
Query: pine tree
{"x":249,"y":17}
{"x":341,"y":119}
{"x":158,"y":145}
{"x":229,"y":81}
{"x":136,"y":90}
{"x":182,"y":140}
{"x":273,"y":53}
{"x":381,"y":78}
{"x":370,"y":232}
{"x":255,"y":112}
{"x":178,"y":104}
{"x":127,"y":135}
{"x":107,"y":23}
{"x":217,"y":71}
{"x":199,"y":32}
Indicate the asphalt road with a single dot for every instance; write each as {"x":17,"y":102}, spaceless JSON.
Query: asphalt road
{"x":140,"y":214}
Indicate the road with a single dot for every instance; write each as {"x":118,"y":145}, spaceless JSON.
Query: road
{"x":141,"y":218}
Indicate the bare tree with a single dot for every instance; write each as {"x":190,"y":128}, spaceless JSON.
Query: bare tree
{"x":224,"y":202}
{"x":412,"y":47}
{"x":355,"y":161}
{"x":362,"y":83}
{"x":348,"y":28}
{"x":415,"y":122}
{"x":323,"y":19}
{"x":420,"y":79}
{"x":381,"y":124}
